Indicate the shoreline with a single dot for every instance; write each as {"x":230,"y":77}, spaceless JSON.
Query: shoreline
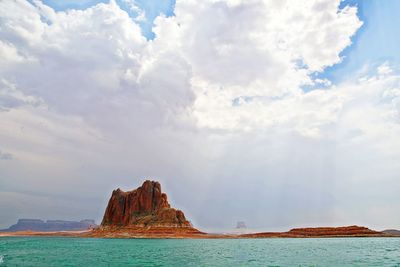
{"x":126,"y":233}
{"x":40,"y":234}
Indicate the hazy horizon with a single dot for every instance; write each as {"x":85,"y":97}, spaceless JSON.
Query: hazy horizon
{"x":280,"y":114}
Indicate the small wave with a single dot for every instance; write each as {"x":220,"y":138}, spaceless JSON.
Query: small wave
{"x":1,"y":259}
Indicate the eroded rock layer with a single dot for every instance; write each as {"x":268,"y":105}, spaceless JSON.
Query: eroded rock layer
{"x":144,"y":207}
{"x":344,"y":231}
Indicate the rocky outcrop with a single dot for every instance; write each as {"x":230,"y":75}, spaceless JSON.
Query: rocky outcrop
{"x":241,"y":225}
{"x":344,"y":231}
{"x":392,"y":232}
{"x":50,"y":225}
{"x":144,"y":207}
{"x":334,"y":231}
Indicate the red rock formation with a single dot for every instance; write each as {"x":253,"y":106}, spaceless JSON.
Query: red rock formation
{"x":334,"y":231}
{"x":145,"y":206}
{"x":344,"y":231}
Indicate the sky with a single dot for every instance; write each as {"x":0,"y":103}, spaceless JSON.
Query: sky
{"x":280,"y":114}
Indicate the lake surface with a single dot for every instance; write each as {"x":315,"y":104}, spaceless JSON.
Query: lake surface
{"x":63,"y":251}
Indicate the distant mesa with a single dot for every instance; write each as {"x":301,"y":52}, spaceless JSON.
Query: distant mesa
{"x":143,"y":211}
{"x":334,"y":231}
{"x":50,"y":225}
{"x":344,"y":231}
{"x":392,"y":232}
{"x":240,"y":228}
{"x":241,"y":225}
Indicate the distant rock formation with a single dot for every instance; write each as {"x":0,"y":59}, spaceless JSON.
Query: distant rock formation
{"x":392,"y":232}
{"x":344,"y":231}
{"x":145,"y":206}
{"x":50,"y":225}
{"x":241,"y":225}
{"x":240,"y":229}
{"x":334,"y":231}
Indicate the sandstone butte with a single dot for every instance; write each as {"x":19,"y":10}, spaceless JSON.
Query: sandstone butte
{"x":143,"y":212}
{"x":146,"y":213}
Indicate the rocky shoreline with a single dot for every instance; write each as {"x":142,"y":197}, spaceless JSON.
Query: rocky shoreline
{"x":129,"y":232}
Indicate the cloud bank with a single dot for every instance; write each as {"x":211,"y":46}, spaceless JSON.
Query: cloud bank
{"x":216,"y":107}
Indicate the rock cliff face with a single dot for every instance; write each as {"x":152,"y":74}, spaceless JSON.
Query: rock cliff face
{"x":144,"y":207}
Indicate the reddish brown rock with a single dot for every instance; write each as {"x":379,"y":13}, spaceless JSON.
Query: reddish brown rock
{"x":344,"y":231}
{"x":145,"y":206}
{"x":334,"y":231}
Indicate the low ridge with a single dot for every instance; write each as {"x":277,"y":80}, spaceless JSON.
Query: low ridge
{"x":50,"y":225}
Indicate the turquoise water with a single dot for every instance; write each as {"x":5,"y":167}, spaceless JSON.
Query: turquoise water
{"x":58,"y":251}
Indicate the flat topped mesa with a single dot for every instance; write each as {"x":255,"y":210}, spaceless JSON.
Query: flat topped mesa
{"x":145,"y":206}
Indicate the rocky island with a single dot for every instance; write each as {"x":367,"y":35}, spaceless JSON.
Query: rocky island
{"x":143,"y":212}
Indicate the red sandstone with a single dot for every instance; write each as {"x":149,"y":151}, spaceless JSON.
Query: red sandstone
{"x":145,"y":206}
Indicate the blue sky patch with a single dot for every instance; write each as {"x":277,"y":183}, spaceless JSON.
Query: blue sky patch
{"x":377,"y":41}
{"x":151,"y":9}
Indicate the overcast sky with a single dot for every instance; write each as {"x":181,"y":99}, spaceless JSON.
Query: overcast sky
{"x":277,"y":113}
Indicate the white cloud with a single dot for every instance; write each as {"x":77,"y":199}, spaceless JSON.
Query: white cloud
{"x":213,"y":105}
{"x":256,"y":50}
{"x":11,"y":97}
